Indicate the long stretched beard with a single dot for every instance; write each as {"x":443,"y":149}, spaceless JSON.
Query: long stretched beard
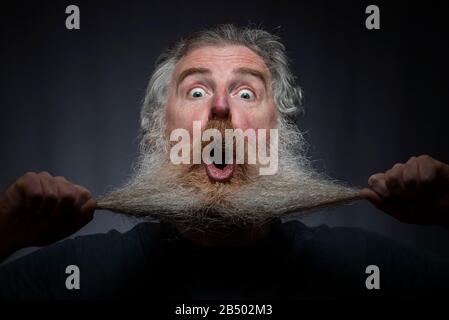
{"x":184,"y":194}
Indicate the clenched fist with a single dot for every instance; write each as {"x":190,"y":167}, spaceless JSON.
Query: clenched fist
{"x":413,"y":192}
{"x":39,"y":209}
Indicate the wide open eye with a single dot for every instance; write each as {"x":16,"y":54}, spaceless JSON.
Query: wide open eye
{"x":246,"y":94}
{"x":197,"y":93}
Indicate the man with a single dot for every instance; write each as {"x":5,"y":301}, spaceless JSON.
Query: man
{"x":220,"y":235}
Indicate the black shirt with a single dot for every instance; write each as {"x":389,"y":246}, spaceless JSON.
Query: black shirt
{"x":294,"y":261}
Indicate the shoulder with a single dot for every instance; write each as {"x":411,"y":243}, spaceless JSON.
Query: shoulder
{"x":105,"y":245}
{"x":141,"y":234}
{"x":332,"y":238}
{"x":102,"y":259}
{"x":323,"y":250}
{"x":351,"y":242}
{"x":341,"y":255}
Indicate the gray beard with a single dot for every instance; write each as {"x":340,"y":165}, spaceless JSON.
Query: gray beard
{"x":184,"y":195}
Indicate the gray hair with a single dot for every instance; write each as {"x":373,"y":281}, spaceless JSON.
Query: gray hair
{"x":287,"y":96}
{"x":184,"y":194}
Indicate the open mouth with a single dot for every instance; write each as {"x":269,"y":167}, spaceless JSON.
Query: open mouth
{"x":220,"y":172}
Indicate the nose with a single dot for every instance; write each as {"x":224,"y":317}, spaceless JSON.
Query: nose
{"x":220,"y":107}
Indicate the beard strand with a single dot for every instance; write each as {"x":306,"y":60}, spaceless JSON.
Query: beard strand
{"x":184,"y":194}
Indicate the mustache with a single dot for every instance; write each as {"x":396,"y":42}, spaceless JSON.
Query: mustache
{"x":220,"y":125}
{"x":226,"y":146}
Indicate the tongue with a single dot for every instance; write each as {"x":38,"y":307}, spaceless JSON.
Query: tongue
{"x":220,"y":174}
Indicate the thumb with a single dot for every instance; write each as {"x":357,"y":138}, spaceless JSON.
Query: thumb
{"x":87,"y":210}
{"x":442,"y":168}
{"x":372,"y":196}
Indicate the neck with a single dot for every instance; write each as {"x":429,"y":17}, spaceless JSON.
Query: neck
{"x":234,"y":239}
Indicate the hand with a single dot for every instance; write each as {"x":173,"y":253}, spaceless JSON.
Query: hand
{"x":39,"y":209}
{"x":416,"y":192}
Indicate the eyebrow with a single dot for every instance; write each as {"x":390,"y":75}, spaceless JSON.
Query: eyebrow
{"x":191,"y":71}
{"x":240,"y":71}
{"x":253,"y":72}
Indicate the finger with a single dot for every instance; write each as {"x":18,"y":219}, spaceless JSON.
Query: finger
{"x":83,"y":195}
{"x":84,"y":216}
{"x":12,"y":199}
{"x":377,"y":183}
{"x":50,"y":193}
{"x":88,"y":209}
{"x":371,"y":195}
{"x":442,"y":169}
{"x":410,"y":175}
{"x":427,"y":170}
{"x":30,"y":186}
{"x":394,"y":180}
{"x":66,"y":197}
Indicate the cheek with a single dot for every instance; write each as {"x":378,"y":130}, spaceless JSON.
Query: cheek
{"x":272,"y":117}
{"x":170,"y":119}
{"x":179,"y":117}
{"x":264,"y":118}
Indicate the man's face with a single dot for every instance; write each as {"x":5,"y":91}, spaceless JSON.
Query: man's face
{"x":227,"y":82}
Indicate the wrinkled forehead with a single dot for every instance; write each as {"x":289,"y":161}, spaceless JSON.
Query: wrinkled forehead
{"x":222,"y":59}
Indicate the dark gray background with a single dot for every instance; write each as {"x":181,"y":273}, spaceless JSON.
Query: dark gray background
{"x":71,"y":99}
